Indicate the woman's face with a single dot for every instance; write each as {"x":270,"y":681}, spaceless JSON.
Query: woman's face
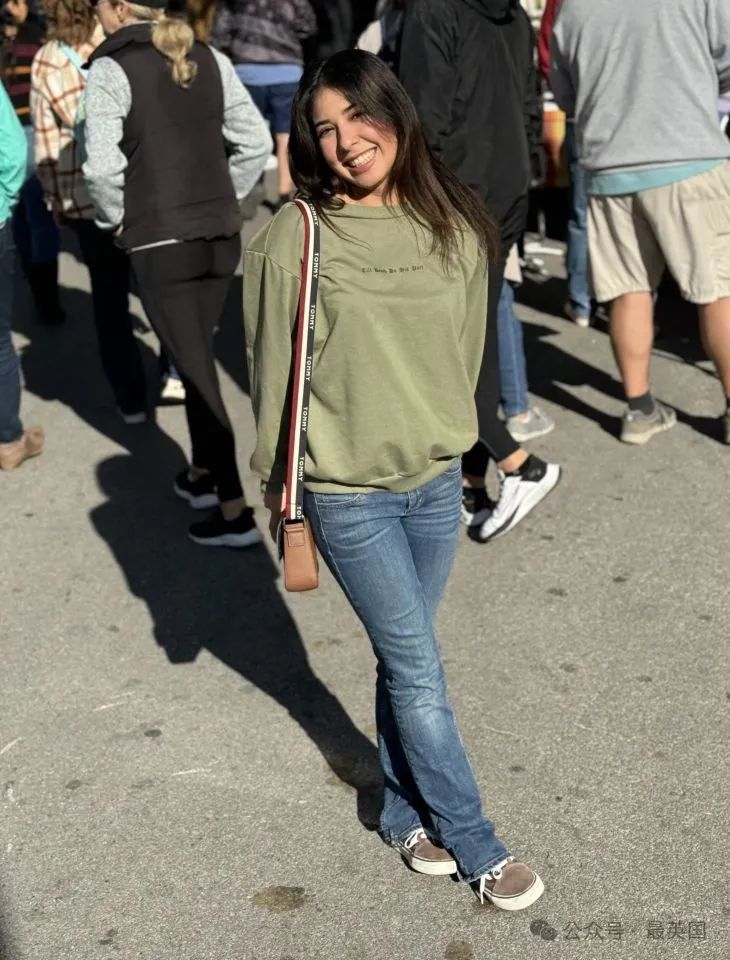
{"x":110,"y":17}
{"x":359,"y":153}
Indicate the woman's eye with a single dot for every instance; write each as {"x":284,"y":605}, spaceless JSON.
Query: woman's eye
{"x":323,"y":132}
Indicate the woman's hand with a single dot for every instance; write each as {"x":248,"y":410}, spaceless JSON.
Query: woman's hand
{"x":274,"y":503}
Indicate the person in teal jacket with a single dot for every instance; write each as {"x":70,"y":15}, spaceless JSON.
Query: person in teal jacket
{"x":16,"y":444}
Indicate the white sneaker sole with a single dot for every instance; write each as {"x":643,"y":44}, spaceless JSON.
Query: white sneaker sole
{"x":432,"y":868}
{"x":204,"y":502}
{"x":639,"y":439}
{"x":238,"y":540}
{"x":548,"y":483}
{"x":520,"y":902}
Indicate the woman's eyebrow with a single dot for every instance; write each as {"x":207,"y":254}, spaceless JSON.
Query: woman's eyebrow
{"x":348,"y":108}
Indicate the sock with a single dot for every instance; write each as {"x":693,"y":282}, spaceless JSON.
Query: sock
{"x":643,"y":404}
{"x":532,"y":469}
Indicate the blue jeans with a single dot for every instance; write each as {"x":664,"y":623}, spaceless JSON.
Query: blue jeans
{"x":36,"y":234}
{"x":512,"y":365}
{"x":577,"y":259}
{"x":392,"y":554}
{"x":11,"y":428}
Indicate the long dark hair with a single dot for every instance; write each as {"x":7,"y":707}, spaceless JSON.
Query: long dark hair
{"x":428,"y":192}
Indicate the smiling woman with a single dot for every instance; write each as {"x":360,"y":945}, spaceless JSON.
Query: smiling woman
{"x":352,"y":104}
{"x":397,"y":348}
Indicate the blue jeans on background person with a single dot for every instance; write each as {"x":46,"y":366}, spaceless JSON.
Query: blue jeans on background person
{"x":577,"y":255}
{"x":512,"y":364}
{"x":392,"y":554}
{"x":36,"y":233}
{"x":11,"y":429}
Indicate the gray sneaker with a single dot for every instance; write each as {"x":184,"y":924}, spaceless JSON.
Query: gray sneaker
{"x":536,"y":424}
{"x":638,"y":427}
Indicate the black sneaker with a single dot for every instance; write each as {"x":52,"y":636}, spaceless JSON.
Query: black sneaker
{"x":216,"y":531}
{"x":476,"y":506}
{"x":199,"y":493}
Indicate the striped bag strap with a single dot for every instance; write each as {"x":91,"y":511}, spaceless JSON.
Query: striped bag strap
{"x":303,"y":362}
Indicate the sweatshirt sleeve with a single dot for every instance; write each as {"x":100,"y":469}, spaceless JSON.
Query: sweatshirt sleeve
{"x":13,"y":155}
{"x":244,"y":130}
{"x":427,"y":69}
{"x":270,"y":298}
{"x":718,"y":28}
{"x":561,"y":79}
{"x":108,"y":101}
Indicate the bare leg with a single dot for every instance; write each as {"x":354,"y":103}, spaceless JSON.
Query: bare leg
{"x":231,"y":509}
{"x":632,"y":336}
{"x":282,"y":157}
{"x":715,"y":331}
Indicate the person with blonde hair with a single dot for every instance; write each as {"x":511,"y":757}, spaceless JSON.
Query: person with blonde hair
{"x":58,"y":79}
{"x":173,"y":144}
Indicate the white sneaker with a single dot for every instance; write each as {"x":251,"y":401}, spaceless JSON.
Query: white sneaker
{"x":535,"y":424}
{"x":173,"y":390}
{"x":518,"y":495}
{"x":578,"y":318}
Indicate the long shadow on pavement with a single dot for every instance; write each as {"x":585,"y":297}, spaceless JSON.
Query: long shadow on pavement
{"x":225,"y":602}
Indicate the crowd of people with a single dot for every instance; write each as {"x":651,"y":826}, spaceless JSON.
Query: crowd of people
{"x":418,"y":146}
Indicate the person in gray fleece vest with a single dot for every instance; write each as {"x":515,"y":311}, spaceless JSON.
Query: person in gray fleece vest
{"x":173,"y":142}
{"x":642,"y":80}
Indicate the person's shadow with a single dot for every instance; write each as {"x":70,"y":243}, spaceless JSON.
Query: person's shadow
{"x":226,"y":602}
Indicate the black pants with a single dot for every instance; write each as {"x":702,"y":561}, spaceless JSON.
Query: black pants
{"x":183,"y":287}
{"x":120,"y":357}
{"x":494,"y":438}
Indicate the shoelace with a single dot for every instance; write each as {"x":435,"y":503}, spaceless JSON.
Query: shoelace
{"x":415,"y":837}
{"x":494,"y":874}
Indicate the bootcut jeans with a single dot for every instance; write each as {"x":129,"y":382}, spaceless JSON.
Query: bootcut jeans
{"x":392,"y":554}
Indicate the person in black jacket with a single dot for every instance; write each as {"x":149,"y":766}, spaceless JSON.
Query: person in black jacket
{"x":469,"y":67}
{"x":166,"y":173}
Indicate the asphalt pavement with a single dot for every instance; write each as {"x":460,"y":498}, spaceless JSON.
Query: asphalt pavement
{"x":187,"y":760}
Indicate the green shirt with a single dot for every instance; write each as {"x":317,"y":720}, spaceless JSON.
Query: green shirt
{"x":398,"y":346}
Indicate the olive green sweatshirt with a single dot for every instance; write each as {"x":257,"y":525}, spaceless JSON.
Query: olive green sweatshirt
{"x":398,"y":346}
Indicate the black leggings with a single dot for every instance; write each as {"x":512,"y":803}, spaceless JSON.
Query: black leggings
{"x":494,"y":438}
{"x":183,"y":288}
{"x":109,"y":273}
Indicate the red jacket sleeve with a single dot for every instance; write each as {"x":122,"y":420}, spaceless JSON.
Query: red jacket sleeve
{"x":546,"y":32}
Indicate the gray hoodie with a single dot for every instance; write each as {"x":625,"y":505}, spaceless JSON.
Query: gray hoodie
{"x":642,"y":78}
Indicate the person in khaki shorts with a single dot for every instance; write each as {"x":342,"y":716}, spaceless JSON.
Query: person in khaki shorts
{"x":658,"y":176}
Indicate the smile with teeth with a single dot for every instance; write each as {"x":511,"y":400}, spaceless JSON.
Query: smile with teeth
{"x":362,"y":159}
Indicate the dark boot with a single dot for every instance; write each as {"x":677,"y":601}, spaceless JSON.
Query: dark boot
{"x":43,"y":280}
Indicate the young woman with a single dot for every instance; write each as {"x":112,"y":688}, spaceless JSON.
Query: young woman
{"x":57,"y":85}
{"x":166,"y":173}
{"x":400,"y":327}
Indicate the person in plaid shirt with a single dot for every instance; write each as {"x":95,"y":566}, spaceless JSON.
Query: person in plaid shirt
{"x":57,"y":83}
